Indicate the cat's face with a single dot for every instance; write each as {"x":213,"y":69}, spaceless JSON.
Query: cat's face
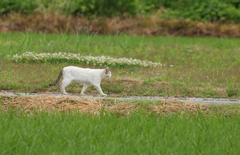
{"x":107,"y":73}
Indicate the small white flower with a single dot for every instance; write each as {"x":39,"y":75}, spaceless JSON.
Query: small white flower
{"x":88,"y":59}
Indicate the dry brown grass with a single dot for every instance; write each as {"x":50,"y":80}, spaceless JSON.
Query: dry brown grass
{"x":31,"y":104}
{"x":149,"y":26}
{"x":181,"y":107}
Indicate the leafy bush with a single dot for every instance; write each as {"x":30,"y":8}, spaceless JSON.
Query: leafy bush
{"x":203,"y":10}
{"x":212,"y":11}
{"x":20,"y":6}
{"x":100,"y":7}
{"x":235,"y":3}
{"x":108,"y":7}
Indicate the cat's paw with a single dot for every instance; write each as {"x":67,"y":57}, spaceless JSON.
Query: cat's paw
{"x":104,"y":94}
{"x":82,"y":94}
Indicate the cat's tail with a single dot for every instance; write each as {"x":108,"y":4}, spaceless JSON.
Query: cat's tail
{"x":58,"y":79}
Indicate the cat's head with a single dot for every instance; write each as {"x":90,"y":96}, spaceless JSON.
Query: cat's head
{"x":107,"y":73}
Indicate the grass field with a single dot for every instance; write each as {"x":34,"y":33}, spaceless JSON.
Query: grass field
{"x":138,"y":133}
{"x":201,"y":67}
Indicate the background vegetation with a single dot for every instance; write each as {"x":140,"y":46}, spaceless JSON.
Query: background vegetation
{"x":203,"y":10}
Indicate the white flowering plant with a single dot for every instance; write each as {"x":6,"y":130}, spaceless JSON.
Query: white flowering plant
{"x":61,"y":57}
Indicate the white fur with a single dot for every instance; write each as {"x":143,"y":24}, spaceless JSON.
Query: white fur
{"x":90,"y":77}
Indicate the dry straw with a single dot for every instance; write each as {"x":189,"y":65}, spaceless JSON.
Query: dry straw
{"x":139,"y":25}
{"x":32,"y":104}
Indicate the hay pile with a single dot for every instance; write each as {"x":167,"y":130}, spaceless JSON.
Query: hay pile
{"x":49,"y":103}
{"x":32,"y":104}
{"x":181,"y":107}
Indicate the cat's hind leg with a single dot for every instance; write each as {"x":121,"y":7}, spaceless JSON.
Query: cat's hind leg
{"x":64,"y":84}
{"x":99,"y":89}
{"x":85,"y":86}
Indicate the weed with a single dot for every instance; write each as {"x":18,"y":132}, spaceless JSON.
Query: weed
{"x":150,"y":25}
{"x":148,"y":82}
{"x":232,"y":92}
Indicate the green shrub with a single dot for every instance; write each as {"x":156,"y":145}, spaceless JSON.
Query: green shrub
{"x":19,"y":6}
{"x":235,"y":3}
{"x":203,"y":10}
{"x":108,"y":7}
{"x":100,"y":7}
{"x":212,"y":11}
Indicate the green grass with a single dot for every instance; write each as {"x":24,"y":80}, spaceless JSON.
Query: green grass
{"x":137,"y":133}
{"x":201,"y":67}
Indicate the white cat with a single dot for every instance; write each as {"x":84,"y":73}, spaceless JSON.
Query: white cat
{"x":82,"y":75}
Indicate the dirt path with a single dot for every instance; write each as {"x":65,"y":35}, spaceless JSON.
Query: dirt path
{"x":190,"y":99}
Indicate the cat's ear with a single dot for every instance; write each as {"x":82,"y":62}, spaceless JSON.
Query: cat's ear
{"x":106,"y":70}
